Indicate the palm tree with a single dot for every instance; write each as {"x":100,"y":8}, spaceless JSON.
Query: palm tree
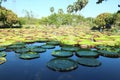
{"x":81,"y":3}
{"x":77,"y":6}
{"x":52,"y":9}
{"x":70,"y":8}
{"x":60,"y":11}
{"x":2,"y":1}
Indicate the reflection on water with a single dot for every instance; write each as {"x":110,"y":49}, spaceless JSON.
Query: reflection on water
{"x":35,"y":69}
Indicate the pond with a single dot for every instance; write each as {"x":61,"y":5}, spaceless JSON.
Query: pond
{"x":16,"y":68}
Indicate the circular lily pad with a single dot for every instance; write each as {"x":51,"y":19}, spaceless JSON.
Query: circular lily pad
{"x":87,"y":54}
{"x":2,"y":48}
{"x":39,"y":50}
{"x":90,"y":62}
{"x":62,"y":53}
{"x":22,"y":50}
{"x":46,"y":46}
{"x":53,"y":42}
{"x":108,"y":53}
{"x":2,"y":54}
{"x":16,"y":46}
{"x":70,"y":48}
{"x":2,"y":60}
{"x":62,"y":64}
{"x":31,"y":47}
{"x":20,"y":43}
{"x":42,"y":40}
{"x":29,"y":55}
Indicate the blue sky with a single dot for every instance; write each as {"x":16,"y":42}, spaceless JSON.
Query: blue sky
{"x":41,"y":8}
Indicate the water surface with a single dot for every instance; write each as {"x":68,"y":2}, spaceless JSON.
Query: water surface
{"x":36,"y":69}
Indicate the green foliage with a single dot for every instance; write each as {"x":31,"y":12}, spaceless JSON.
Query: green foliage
{"x":29,"y":18}
{"x":104,"y":19}
{"x":117,"y":19}
{"x":52,"y":9}
{"x":100,"y":1}
{"x":2,"y":1}
{"x":77,"y":6}
{"x":70,"y":8}
{"x":58,"y":19}
{"x":22,"y":20}
{"x":7,"y":17}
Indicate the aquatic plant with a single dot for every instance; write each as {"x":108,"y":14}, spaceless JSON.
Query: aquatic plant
{"x":2,"y":60}
{"x":46,"y":46}
{"x":62,"y":64}
{"x":29,"y":55}
{"x":2,"y":48}
{"x":21,"y":50}
{"x":3,"y":54}
{"x":90,"y":62}
{"x":109,"y":53}
{"x":70,"y":48}
{"x":62,"y":53}
{"x":87,"y":54}
{"x":53,"y":42}
{"x":15,"y":46}
{"x":38,"y":50}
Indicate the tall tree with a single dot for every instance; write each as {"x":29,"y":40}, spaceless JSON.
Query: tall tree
{"x":77,"y":6}
{"x":8,"y":17}
{"x":70,"y":8}
{"x":104,"y":19}
{"x":52,"y":9}
{"x":116,"y":18}
{"x":60,"y":11}
{"x":2,"y":1}
{"x":100,"y":1}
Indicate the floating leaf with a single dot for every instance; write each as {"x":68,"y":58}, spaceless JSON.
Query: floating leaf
{"x":2,"y":60}
{"x":53,"y":42}
{"x":108,"y":53}
{"x":62,"y":64}
{"x":29,"y":55}
{"x":46,"y":46}
{"x":90,"y":62}
{"x":62,"y":53}
{"x":16,"y":46}
{"x":22,"y":50}
{"x":70,"y":48}
{"x":2,"y":48}
{"x":2,"y":54}
{"x":38,"y":50}
{"x":87,"y":54}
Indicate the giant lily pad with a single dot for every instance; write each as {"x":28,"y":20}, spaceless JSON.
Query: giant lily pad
{"x":70,"y":48}
{"x":2,"y":60}
{"x":20,"y":43}
{"x":62,"y":64}
{"x":62,"y":53}
{"x":31,"y":46}
{"x":87,"y":54}
{"x":22,"y":50}
{"x":29,"y":55}
{"x":2,"y":54}
{"x":53,"y":42}
{"x":90,"y":62}
{"x":46,"y":46}
{"x":2,"y":48}
{"x":16,"y":46}
{"x":38,"y":50}
{"x":108,"y":53}
{"x":42,"y":40}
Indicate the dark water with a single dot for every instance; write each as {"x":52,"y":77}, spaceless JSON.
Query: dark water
{"x":35,"y":69}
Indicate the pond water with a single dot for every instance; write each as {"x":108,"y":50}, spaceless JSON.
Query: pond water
{"x":36,"y":69}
